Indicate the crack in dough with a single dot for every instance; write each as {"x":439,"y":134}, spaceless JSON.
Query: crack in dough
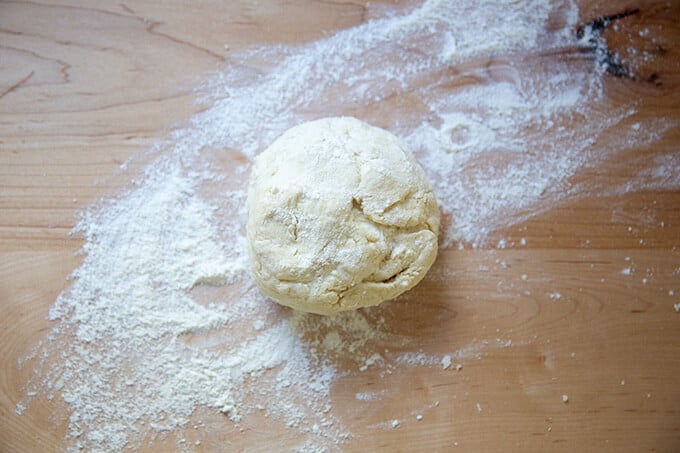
{"x":340,"y":216}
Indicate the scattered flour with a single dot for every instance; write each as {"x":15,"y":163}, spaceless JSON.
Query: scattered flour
{"x":162,"y":318}
{"x":370,"y":396}
{"x":372,"y":360}
{"x":446,"y":361}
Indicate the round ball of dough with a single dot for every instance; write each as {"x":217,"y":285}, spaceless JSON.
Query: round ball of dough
{"x":340,"y":216}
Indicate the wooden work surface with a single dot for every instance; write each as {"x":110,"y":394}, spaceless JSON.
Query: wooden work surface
{"x":86,"y":85}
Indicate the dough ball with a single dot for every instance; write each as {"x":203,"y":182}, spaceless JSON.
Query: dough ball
{"x":340,"y":216}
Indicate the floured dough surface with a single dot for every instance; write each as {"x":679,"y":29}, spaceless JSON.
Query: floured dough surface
{"x":340,"y":216}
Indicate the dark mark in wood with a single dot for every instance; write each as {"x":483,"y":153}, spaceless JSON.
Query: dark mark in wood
{"x":590,"y":41}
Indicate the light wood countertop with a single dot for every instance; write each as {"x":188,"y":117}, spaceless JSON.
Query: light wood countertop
{"x":86,"y":85}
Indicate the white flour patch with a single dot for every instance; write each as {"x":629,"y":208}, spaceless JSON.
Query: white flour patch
{"x":370,"y":396}
{"x":162,"y":320}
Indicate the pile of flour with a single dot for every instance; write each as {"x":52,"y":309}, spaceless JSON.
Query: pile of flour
{"x":162,"y":321}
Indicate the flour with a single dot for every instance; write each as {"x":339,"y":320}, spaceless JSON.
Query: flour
{"x":446,"y":361}
{"x":162,"y":322}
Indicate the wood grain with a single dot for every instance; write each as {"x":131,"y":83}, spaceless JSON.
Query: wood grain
{"x":86,"y":85}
